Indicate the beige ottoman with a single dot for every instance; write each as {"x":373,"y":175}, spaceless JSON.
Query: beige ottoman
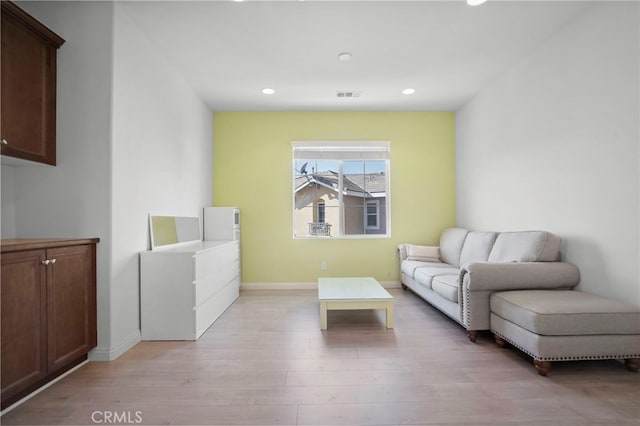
{"x":565,"y":325}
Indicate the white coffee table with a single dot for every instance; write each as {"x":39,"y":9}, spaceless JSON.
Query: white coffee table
{"x":353,"y":293}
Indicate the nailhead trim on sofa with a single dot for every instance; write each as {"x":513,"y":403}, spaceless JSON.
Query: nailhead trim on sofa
{"x":575,"y":358}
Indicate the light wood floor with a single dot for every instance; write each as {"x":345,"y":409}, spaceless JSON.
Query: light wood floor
{"x":266,"y":362}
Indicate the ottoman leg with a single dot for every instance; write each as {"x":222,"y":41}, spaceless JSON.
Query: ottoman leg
{"x":632,"y":364}
{"x":472,"y":334}
{"x":542,"y":366}
{"x":499,"y":341}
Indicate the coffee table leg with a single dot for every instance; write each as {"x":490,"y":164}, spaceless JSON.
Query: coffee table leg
{"x":323,"y":315}
{"x":389,"y":314}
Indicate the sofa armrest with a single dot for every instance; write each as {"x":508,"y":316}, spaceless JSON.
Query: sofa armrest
{"x":480,"y":280}
{"x":402,"y":252}
{"x":493,"y":276}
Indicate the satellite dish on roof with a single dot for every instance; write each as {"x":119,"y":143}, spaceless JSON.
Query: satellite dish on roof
{"x":303,"y":169}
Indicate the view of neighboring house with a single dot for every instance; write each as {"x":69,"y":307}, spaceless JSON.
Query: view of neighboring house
{"x":317,"y":204}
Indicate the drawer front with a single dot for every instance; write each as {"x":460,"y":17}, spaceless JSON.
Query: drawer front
{"x":210,"y":310}
{"x":211,"y":261}
{"x":220,"y":276}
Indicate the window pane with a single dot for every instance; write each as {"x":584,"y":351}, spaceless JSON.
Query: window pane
{"x":367,"y":180}
{"x":316,"y":184}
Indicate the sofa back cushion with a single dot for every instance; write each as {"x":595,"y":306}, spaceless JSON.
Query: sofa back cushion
{"x":451,"y":242}
{"x":423,"y":253}
{"x":525,"y":246}
{"x":477,"y":247}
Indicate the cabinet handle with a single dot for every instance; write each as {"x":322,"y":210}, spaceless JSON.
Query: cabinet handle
{"x":46,"y":262}
{"x":4,"y":142}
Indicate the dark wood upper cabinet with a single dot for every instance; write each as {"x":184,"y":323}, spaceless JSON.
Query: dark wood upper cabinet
{"x":28,"y":86}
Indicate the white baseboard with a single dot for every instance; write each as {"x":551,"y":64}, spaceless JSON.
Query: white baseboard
{"x":41,"y":388}
{"x":111,"y":353}
{"x":300,"y":285}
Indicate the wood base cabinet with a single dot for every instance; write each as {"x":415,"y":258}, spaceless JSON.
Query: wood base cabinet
{"x":48,"y":311}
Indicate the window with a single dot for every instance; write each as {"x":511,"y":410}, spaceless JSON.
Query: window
{"x":321,"y":212}
{"x":372,"y":214}
{"x":341,"y":189}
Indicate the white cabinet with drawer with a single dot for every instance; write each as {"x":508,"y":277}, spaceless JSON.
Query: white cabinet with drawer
{"x":184,"y":289}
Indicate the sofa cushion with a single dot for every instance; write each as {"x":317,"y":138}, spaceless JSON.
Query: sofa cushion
{"x":477,"y":247}
{"x":446,"y":286}
{"x":451,"y":242}
{"x":409,"y":266}
{"x":565,"y":312}
{"x":525,"y":246}
{"x":424,"y":276}
{"x":423,"y":253}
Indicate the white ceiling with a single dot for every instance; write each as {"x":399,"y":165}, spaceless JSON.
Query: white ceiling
{"x":447,"y":51}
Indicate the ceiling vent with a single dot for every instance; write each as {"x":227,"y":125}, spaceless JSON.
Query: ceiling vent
{"x":348,"y":94}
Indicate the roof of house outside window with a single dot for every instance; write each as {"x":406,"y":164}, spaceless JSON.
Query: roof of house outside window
{"x":366,"y":184}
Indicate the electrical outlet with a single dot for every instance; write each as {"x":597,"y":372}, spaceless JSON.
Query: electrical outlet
{"x":323,"y":266}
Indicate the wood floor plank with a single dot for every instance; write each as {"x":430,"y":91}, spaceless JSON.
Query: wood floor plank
{"x":266,"y":362}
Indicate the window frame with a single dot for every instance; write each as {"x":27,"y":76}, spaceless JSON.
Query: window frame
{"x":346,"y":151}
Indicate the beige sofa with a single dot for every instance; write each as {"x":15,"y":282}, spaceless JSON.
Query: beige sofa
{"x":459,"y":276}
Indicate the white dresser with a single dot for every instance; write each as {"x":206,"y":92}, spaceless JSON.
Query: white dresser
{"x":184,"y":289}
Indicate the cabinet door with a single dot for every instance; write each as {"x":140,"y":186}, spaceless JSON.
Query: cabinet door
{"x":28,"y":121}
{"x":24,"y":328}
{"x":71,"y":304}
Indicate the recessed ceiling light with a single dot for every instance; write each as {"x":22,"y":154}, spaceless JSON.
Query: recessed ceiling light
{"x":475,"y":2}
{"x":344,"y":56}
{"x":409,"y":91}
{"x":268,"y":91}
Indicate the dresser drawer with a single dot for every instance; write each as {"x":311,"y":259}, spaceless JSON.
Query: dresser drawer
{"x":209,"y":262}
{"x":211,"y":309}
{"x":220,"y":276}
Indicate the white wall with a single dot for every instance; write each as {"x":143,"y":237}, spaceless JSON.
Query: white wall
{"x":8,"y":196}
{"x":72,"y":199}
{"x":133,"y":138}
{"x":162,"y":159}
{"x":553,"y":144}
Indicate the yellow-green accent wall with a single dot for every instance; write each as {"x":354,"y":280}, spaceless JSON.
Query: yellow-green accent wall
{"x":252,"y":170}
